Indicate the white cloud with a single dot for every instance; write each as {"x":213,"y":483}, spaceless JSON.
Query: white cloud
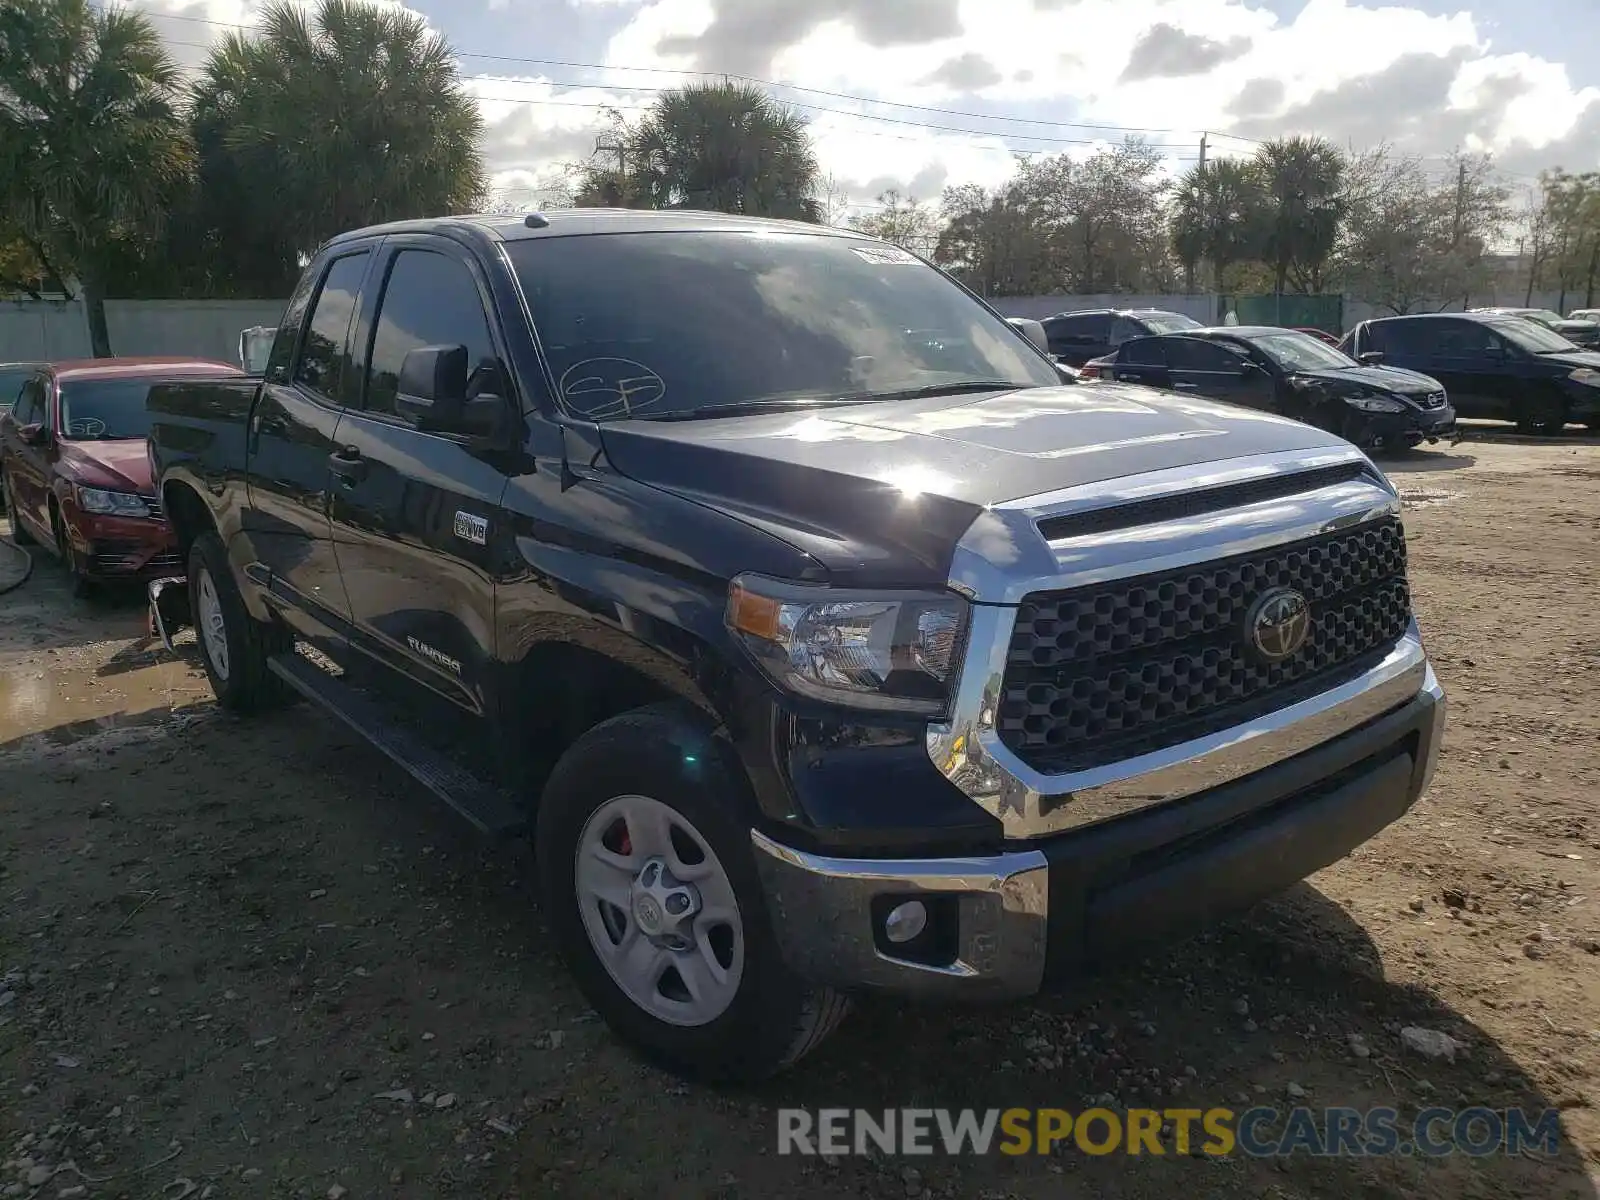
{"x":1361,"y":72}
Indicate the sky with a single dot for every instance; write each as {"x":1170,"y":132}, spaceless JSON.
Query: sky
{"x":916,"y":95}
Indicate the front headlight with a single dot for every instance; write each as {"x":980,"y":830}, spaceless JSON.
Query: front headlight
{"x":1586,"y":375}
{"x":1373,"y":403}
{"x":887,"y":652}
{"x":112,"y":504}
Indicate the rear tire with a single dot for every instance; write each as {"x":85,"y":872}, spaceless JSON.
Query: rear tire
{"x":234,"y":646}
{"x":654,"y":769}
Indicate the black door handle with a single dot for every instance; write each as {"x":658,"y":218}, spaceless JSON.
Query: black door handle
{"x":348,"y":465}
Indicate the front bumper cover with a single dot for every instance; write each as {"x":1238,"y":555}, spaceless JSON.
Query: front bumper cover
{"x":1051,"y":907}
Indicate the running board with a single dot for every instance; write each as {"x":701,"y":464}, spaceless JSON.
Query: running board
{"x":489,"y":809}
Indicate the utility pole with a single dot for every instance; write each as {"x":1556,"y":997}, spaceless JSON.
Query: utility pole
{"x":1458,"y":226}
{"x":1200,"y":175}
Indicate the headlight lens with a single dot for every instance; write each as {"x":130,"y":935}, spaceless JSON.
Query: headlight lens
{"x":887,"y":652}
{"x":1587,"y":375}
{"x":1373,"y":403}
{"x":116,"y":504}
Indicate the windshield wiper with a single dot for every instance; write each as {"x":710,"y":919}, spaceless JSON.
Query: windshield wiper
{"x":943,"y":389}
{"x":753,"y":408}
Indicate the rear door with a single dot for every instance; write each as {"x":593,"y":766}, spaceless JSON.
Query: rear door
{"x":309,"y":381}
{"x":1215,"y":371}
{"x":1472,"y":361}
{"x":1079,"y":338}
{"x":416,"y":514}
{"x":1142,"y":360}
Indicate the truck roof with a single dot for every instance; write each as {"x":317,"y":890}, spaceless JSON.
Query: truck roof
{"x":568,"y":222}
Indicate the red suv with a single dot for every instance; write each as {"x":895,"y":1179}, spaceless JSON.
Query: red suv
{"x":75,"y":472}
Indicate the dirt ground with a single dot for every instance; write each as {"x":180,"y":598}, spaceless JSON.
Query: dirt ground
{"x":249,"y":959}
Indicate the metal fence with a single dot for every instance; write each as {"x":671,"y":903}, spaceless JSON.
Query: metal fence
{"x":33,"y":330}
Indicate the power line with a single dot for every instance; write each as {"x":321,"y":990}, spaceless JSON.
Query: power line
{"x":769,"y":83}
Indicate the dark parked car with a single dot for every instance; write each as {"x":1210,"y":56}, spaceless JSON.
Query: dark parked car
{"x":1076,"y":337}
{"x":1503,"y":367}
{"x":825,"y":641}
{"x":1292,"y":373}
{"x":1580,"y":331}
{"x":74,"y":468}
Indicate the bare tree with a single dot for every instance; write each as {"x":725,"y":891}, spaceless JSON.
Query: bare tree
{"x":903,"y":220}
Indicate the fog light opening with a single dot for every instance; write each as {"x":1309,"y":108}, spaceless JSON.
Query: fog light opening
{"x":905,"y":922}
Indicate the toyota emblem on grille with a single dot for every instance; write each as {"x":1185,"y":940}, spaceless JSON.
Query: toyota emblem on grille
{"x":1278,"y":624}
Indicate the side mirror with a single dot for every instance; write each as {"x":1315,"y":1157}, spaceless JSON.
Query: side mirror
{"x":436,"y":395}
{"x":33,"y":435}
{"x":1371,"y":358}
{"x":1033,"y":331}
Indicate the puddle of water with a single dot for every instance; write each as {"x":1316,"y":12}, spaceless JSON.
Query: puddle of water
{"x":70,"y":703}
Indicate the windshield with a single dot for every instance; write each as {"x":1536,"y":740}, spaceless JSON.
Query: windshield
{"x":661,"y":324}
{"x":1534,"y":337}
{"x":1169,"y":322}
{"x":104,"y":410}
{"x":1300,"y":351}
{"x":11,"y":381}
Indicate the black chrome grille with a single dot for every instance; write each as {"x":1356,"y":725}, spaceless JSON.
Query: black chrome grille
{"x":1432,"y":400}
{"x":154,"y":506}
{"x":1105,"y":672}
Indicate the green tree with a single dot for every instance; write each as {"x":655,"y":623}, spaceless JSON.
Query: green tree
{"x":325,"y":121}
{"x":726,"y":147}
{"x":1218,"y":216}
{"x":903,"y":220}
{"x":1303,"y":181}
{"x":92,"y":148}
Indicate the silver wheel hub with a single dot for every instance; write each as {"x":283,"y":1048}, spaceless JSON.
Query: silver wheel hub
{"x":659,"y":910}
{"x":663,"y":908}
{"x":213,"y":625}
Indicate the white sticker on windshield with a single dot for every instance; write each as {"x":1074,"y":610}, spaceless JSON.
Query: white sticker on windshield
{"x":885,"y":256}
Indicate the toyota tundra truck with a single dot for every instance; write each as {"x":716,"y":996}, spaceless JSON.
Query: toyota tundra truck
{"x":821,"y":639}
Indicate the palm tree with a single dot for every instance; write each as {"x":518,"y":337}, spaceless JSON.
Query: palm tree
{"x":728,"y":147}
{"x":1218,"y":216}
{"x":91,"y":144}
{"x":330,"y":120}
{"x":1304,"y":182}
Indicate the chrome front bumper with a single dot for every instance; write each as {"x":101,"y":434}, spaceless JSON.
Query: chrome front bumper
{"x":1007,"y":919}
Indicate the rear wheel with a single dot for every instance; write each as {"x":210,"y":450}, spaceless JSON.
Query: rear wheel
{"x":234,"y":646}
{"x":649,"y":885}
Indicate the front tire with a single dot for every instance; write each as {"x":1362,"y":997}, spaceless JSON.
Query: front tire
{"x":649,"y":884}
{"x":19,"y":531}
{"x":1545,"y":416}
{"x":82,"y":586}
{"x":234,"y":646}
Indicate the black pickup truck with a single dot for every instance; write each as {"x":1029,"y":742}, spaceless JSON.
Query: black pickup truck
{"x":821,"y":639}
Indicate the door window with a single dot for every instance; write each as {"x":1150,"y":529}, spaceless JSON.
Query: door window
{"x":324,"y":355}
{"x":1122,"y":329}
{"x":1192,"y":354}
{"x":430,"y":300}
{"x":1091,"y":329}
{"x":1402,"y":337}
{"x":1143,"y":352}
{"x":30,"y":403}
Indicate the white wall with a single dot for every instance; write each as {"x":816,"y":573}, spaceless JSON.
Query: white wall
{"x":48,"y":330}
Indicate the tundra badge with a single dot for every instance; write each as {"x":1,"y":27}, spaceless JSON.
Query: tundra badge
{"x":472,"y":529}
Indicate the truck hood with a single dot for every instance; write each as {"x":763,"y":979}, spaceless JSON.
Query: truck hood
{"x":881,"y":493}
{"x":121,"y":465}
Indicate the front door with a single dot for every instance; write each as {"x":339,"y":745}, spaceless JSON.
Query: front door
{"x":27,"y":467}
{"x":415,"y":514}
{"x":1217,"y":372}
{"x":1143,"y":361}
{"x":291,"y":441}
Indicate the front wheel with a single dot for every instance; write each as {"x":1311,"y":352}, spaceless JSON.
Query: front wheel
{"x":82,"y":585}
{"x":1544,"y":415}
{"x":649,"y":884}
{"x":19,"y":531}
{"x":234,"y":646}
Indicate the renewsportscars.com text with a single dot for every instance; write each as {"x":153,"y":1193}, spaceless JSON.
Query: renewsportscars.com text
{"x":1257,"y":1132}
